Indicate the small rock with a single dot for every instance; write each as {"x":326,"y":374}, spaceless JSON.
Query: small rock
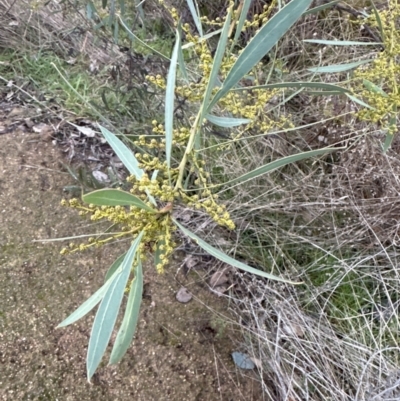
{"x":16,"y":112}
{"x":100,"y":176}
{"x":39,"y":128}
{"x":218,"y":278}
{"x":220,"y":290}
{"x":29,"y":123}
{"x":45,"y":130}
{"x":183,"y":295}
{"x":243,"y":361}
{"x":87,"y":131}
{"x":191,"y":261}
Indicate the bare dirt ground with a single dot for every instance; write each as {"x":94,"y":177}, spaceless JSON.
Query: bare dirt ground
{"x":181,"y":351}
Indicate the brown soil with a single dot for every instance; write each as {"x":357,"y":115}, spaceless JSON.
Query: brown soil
{"x":181,"y":351}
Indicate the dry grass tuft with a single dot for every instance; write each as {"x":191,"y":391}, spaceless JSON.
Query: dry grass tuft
{"x":42,"y":27}
{"x":332,"y":223}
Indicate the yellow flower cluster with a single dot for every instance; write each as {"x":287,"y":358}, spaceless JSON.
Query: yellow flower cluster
{"x":163,"y":186}
{"x":131,"y":220}
{"x":250,"y":103}
{"x":164,"y":183}
{"x":378,"y":83}
{"x":256,"y":21}
{"x":260,"y":19}
{"x":157,"y":80}
{"x":158,"y":227}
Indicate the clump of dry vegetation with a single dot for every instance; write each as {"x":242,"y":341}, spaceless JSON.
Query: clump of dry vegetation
{"x":330,"y":222}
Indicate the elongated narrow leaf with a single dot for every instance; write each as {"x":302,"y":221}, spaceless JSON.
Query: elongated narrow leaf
{"x":379,"y":22}
{"x":388,"y":141}
{"x":195,"y":16}
{"x":243,"y":15}
{"x":359,"y":101}
{"x":115,"y":197}
{"x":374,"y":88}
{"x":169,"y":100}
{"x":126,"y":156}
{"x":114,"y":267}
{"x":204,"y":38}
{"x":122,"y":6}
{"x":261,"y":44}
{"x":131,"y":317}
{"x":219,"y":54}
{"x":322,"y":7}
{"x":267,"y":168}
{"x":123,"y":152}
{"x":90,"y":10}
{"x":227,"y":259}
{"x":391,"y":131}
{"x":324,"y":93}
{"x":338,"y":67}
{"x":91,"y":302}
{"x":181,"y":59}
{"x":341,"y":42}
{"x":111,"y":12}
{"x":284,"y":85}
{"x":107,"y":313}
{"x":227,"y":122}
{"x":116,"y":32}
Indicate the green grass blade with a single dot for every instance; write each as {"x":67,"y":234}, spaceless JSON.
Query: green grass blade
{"x":169,"y":100}
{"x":227,"y":122}
{"x":114,"y":267}
{"x":341,"y":42}
{"x":136,"y":38}
{"x":107,"y":313}
{"x":219,"y":54}
{"x":139,"y":6}
{"x":321,"y":7}
{"x":194,"y":11}
{"x":301,"y":85}
{"x":261,"y":44}
{"x":338,"y":67}
{"x":227,"y":259}
{"x":115,"y":197}
{"x":242,"y":19}
{"x":131,"y":317}
{"x":267,"y":168}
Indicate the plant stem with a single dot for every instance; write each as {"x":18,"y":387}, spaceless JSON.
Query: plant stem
{"x":188,"y":150}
